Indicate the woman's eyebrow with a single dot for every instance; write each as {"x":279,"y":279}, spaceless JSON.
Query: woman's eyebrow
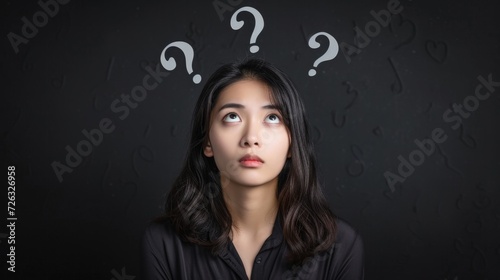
{"x":272,"y":107}
{"x":240,"y":106}
{"x":231,"y":105}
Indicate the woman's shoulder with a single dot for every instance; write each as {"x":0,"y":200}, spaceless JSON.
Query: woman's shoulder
{"x":346,"y":233}
{"x":347,"y":260}
{"x":160,"y":230}
{"x":348,"y":243}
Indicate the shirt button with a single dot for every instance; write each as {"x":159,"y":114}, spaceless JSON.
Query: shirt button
{"x":258,"y":260}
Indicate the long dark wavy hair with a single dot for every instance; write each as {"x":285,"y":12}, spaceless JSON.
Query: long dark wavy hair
{"x":195,"y":204}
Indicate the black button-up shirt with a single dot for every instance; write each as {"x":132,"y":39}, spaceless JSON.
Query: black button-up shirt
{"x":167,"y":256}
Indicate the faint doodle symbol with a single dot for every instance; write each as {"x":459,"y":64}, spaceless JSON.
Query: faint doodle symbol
{"x":339,"y":118}
{"x":466,"y":138}
{"x":447,"y":161}
{"x":331,"y":52}
{"x":415,"y":228}
{"x":428,"y":110}
{"x":316,"y":134}
{"x":143,"y":153}
{"x":350,"y":90}
{"x":338,"y":121}
{"x":101,"y":93}
{"x":429,"y":107}
{"x":378,"y":131}
{"x":461,"y":247}
{"x":303,"y":32}
{"x":195,"y":36}
{"x":147,"y":131}
{"x":173,"y":130}
{"x":193,"y":33}
{"x":399,"y":25}
{"x":482,"y":203}
{"x":480,"y":187}
{"x":259,"y":25}
{"x":438,"y":51}
{"x":58,"y":83}
{"x":396,"y":87}
{"x":416,"y":207}
{"x":110,"y":68}
{"x":170,"y":63}
{"x":357,"y":167}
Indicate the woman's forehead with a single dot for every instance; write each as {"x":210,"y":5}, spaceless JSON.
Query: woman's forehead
{"x":246,"y":91}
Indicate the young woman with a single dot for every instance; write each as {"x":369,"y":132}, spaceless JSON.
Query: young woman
{"x":247,"y":204}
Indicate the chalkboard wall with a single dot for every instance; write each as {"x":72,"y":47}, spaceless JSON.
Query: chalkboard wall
{"x":403,"y":99}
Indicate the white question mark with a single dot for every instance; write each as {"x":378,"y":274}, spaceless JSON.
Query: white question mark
{"x":170,"y":64}
{"x":331,"y":53}
{"x":259,"y":25}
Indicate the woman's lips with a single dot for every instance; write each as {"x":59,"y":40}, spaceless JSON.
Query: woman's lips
{"x":251,"y":161}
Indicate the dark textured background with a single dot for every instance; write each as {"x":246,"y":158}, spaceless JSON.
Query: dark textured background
{"x":442,"y":222}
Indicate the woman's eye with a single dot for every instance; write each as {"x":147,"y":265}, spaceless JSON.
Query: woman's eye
{"x":273,"y":118}
{"x":231,"y":117}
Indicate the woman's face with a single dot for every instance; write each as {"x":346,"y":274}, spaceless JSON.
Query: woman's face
{"x":247,"y":137}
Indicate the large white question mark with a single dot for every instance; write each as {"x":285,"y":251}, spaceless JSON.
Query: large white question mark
{"x":170,"y":63}
{"x":331,"y":53}
{"x":259,"y":25}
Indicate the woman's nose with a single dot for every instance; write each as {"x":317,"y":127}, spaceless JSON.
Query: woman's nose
{"x":251,"y":135}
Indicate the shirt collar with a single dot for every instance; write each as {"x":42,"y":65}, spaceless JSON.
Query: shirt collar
{"x":274,"y":240}
{"x":276,"y":237}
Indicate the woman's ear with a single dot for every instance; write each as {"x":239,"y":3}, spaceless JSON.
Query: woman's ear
{"x":208,"y":150}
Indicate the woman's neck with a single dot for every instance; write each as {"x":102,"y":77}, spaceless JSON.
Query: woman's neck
{"x":253,"y":208}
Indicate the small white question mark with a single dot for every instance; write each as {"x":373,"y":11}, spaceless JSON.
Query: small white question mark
{"x":259,"y":25}
{"x":170,"y":63}
{"x":331,"y":53}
